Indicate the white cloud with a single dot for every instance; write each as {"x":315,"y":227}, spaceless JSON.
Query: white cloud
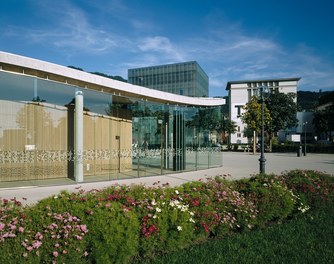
{"x":129,"y":39}
{"x":68,"y":27}
{"x":162,"y":45}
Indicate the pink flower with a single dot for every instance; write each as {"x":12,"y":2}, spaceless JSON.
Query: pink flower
{"x":55,"y":254}
{"x":37,"y":244}
{"x":2,"y":226}
{"x":21,"y":229}
{"x":30,"y":248}
{"x":8,"y":234}
{"x":84,"y":228}
{"x":38,"y":236}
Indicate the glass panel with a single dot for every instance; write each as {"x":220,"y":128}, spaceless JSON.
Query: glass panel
{"x":191,"y":138}
{"x":123,"y":137}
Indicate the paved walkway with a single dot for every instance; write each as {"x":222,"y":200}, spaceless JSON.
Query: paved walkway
{"x":236,"y":165}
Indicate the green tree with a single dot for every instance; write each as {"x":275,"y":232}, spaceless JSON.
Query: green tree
{"x":323,"y":122}
{"x":320,"y":123}
{"x":228,"y":127}
{"x":252,"y":117}
{"x":283,"y":111}
{"x":209,"y":119}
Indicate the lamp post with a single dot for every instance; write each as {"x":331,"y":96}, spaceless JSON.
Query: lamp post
{"x":305,"y":123}
{"x":262,"y":91}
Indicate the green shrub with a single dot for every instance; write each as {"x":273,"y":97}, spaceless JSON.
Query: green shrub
{"x":122,"y":223}
{"x":39,"y":236}
{"x":113,"y":236}
{"x":274,"y":201}
{"x":312,"y":187}
{"x":218,"y":208}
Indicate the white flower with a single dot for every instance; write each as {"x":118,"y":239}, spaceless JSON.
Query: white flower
{"x":154,"y":216}
{"x":55,"y":197}
{"x":153,"y":202}
{"x":184,"y":208}
{"x":158,"y":209}
{"x":179,"y":228}
{"x":174,"y":203}
{"x":303,"y":209}
{"x":176,"y":191}
{"x":191,"y":220}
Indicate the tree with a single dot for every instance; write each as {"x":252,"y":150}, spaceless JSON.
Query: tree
{"x":252,"y":117}
{"x":320,"y":123}
{"x":323,"y":122}
{"x":211,"y":119}
{"x":227,"y":127}
{"x":283,"y":111}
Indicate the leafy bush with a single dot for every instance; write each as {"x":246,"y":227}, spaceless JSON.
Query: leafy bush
{"x":312,"y":187}
{"x":122,"y":223}
{"x":312,"y":148}
{"x":41,"y":237}
{"x":218,"y":208}
{"x":273,"y":199}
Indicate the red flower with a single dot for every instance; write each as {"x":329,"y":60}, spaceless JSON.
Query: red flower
{"x":206,"y":228}
{"x":195,"y":202}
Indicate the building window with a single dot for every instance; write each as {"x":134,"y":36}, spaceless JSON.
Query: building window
{"x":238,"y":110}
{"x":238,"y":135}
{"x":249,"y":91}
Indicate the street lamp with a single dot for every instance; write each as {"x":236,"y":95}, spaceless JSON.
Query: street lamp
{"x":262,"y":93}
{"x":305,"y":123}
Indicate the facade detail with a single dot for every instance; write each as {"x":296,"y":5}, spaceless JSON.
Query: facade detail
{"x":240,"y":92}
{"x":60,"y":123}
{"x":186,"y":78}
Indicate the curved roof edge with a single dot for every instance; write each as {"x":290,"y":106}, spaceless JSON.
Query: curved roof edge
{"x":41,"y":69}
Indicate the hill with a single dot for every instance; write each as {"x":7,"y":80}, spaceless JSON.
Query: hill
{"x":309,"y":100}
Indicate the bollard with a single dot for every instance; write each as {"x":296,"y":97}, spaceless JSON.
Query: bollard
{"x":299,"y":151}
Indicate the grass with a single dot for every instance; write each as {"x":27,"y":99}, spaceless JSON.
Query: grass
{"x":308,"y":238}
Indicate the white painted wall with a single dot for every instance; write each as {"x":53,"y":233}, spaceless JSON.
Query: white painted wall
{"x":238,"y":96}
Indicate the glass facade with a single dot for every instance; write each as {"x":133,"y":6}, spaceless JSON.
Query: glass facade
{"x":123,"y":137}
{"x":186,"y":78}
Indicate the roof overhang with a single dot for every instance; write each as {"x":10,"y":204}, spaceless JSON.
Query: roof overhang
{"x":45,"y":70}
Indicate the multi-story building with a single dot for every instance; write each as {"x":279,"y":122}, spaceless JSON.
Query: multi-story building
{"x":240,"y":92}
{"x":64,"y":124}
{"x":187,"y":78}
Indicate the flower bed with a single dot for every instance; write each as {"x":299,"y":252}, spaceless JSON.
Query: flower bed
{"x":122,"y":223}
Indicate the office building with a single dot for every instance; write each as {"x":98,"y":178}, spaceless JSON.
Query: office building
{"x":240,"y":92}
{"x":187,"y":78}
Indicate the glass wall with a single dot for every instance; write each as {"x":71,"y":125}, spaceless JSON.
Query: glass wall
{"x":123,"y":137}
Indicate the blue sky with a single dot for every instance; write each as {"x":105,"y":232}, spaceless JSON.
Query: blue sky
{"x":231,"y":40}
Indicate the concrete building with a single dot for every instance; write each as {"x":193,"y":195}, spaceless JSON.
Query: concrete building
{"x":240,"y":92}
{"x":187,"y":78}
{"x":60,"y":123}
